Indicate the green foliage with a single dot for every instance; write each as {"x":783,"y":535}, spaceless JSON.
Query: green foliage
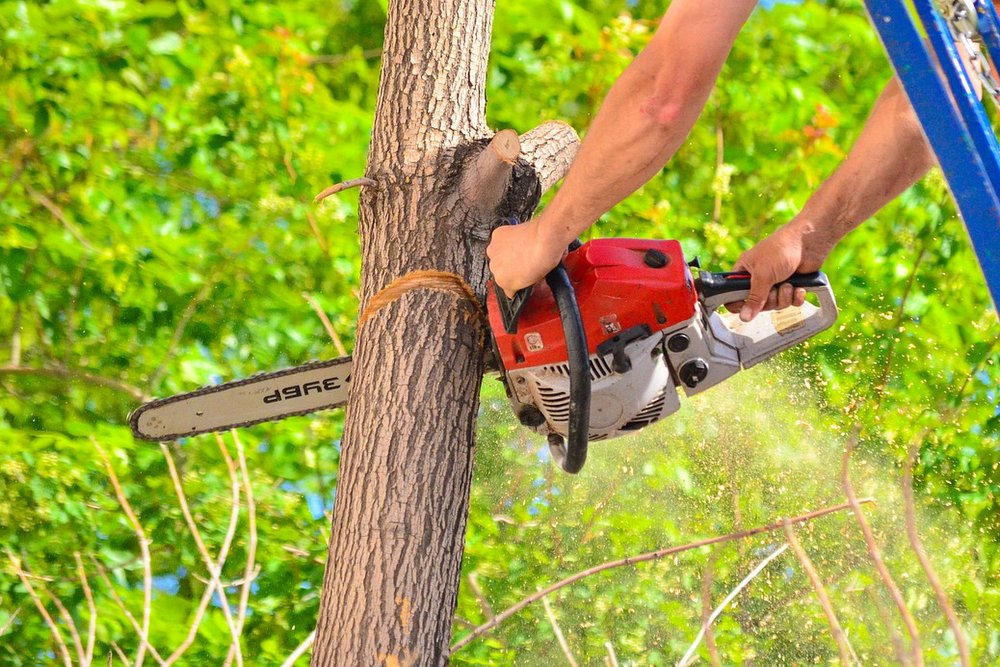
{"x":160,"y":158}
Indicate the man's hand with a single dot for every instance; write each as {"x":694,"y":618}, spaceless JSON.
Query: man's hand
{"x":794,"y":248}
{"x":521,"y":255}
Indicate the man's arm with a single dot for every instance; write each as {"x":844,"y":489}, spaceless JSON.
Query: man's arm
{"x":890,"y":155}
{"x":644,"y":119}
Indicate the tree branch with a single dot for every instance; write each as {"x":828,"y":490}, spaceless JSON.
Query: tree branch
{"x":147,"y":570}
{"x":59,"y":215}
{"x":339,"y":187}
{"x":82,"y":376}
{"x":92,"y":608}
{"x":876,"y":554}
{"x":550,"y":149}
{"x":337,"y":343}
{"x":182,"y":323}
{"x":558,"y":632}
{"x":925,"y":562}
{"x":686,"y":660}
{"x":300,"y":650}
{"x":706,"y":608}
{"x":213,"y":569}
{"x":53,"y":628}
{"x":249,"y":570}
{"x":824,"y":599}
{"x":485,"y":179}
{"x":632,"y":560}
{"x":102,"y":572}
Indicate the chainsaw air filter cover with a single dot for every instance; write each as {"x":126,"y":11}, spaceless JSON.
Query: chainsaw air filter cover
{"x":630,"y":292}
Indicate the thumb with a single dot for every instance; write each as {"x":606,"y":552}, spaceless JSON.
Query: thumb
{"x":760,"y":286}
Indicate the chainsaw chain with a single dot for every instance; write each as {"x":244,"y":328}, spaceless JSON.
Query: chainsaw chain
{"x":133,"y":418}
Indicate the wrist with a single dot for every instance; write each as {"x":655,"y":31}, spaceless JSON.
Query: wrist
{"x":553,"y":234}
{"x":815,"y":240}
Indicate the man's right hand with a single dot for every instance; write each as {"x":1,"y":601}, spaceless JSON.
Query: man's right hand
{"x":794,"y":248}
{"x":520,"y":255}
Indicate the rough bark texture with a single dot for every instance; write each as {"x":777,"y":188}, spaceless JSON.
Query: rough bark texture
{"x":393,"y":569}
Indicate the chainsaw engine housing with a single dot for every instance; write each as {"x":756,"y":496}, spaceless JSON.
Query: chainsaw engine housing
{"x":630,"y":292}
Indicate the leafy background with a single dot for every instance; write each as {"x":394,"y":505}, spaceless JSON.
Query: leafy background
{"x":159,"y":160}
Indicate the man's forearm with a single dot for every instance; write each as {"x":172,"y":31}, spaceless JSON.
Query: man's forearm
{"x":890,"y":155}
{"x":648,"y":113}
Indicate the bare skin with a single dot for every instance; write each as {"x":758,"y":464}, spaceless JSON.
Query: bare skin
{"x":645,"y":118}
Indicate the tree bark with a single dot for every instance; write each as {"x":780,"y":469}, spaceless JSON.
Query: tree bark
{"x":392,"y":573}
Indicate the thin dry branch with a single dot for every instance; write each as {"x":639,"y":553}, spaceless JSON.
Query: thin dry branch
{"x":121,"y":655}
{"x":327,"y":324}
{"x":558,"y":632}
{"x":10,"y":621}
{"x":91,"y":607}
{"x":82,"y":376}
{"x":59,"y":215}
{"x":147,"y":570}
{"x":632,"y":560}
{"x":180,"y":328}
{"x":300,"y":650}
{"x":53,"y":628}
{"x":103,"y":573}
{"x":337,"y":58}
{"x":876,"y":553}
{"x":314,"y":226}
{"x":824,"y":599}
{"x":213,"y":569}
{"x":612,"y":660}
{"x":250,"y":571}
{"x":74,"y":633}
{"x":706,"y":607}
{"x":346,"y":185}
{"x":925,"y":562}
{"x":689,"y":656}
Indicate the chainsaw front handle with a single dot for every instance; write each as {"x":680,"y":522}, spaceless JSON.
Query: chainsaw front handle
{"x":573,"y":454}
{"x":771,"y":331}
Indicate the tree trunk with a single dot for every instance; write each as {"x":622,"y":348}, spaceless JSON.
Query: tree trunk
{"x":392,"y":574}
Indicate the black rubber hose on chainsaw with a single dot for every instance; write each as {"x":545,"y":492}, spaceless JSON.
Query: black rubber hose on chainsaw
{"x":579,"y":369}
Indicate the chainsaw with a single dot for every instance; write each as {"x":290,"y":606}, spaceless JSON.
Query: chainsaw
{"x":596,"y":352}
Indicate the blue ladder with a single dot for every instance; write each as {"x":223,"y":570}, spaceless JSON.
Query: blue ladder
{"x":952,"y":116}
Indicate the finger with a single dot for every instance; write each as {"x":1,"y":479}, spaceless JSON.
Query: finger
{"x":785,"y":294}
{"x":760,"y":287}
{"x":799,"y":297}
{"x":772,"y":299}
{"x":734,"y":306}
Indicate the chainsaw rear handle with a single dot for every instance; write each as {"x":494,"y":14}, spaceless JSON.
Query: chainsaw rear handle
{"x":759,"y":340}
{"x":716,"y":289}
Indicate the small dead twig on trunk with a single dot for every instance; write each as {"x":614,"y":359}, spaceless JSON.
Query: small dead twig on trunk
{"x":346,"y":185}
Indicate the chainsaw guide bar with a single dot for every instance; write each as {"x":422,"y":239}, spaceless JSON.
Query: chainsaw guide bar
{"x":318,"y":385}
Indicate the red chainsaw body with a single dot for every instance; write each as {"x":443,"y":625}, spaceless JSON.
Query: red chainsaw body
{"x":619,"y":284}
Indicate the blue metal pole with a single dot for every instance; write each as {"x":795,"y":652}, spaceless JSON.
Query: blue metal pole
{"x":989,"y":28}
{"x":961,"y":88}
{"x":946,"y":130}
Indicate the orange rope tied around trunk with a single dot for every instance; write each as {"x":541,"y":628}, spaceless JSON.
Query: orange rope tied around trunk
{"x":427,"y":279}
